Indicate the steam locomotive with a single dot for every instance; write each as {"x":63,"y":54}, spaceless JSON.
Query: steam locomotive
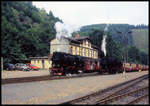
{"x":64,"y":64}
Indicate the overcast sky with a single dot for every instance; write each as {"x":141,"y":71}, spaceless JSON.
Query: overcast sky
{"x":86,"y":13}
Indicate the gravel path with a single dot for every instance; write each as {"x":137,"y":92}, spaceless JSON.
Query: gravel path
{"x":18,"y":74}
{"x":58,"y":91}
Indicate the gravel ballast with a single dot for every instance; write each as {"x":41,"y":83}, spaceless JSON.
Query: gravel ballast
{"x":58,"y":91}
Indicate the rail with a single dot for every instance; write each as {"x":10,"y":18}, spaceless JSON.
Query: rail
{"x":105,"y":101}
{"x":106,"y":93}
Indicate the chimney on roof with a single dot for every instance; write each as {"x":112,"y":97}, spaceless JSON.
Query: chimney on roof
{"x":77,"y":35}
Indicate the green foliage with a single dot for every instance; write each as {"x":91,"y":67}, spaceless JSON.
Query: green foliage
{"x":141,"y":39}
{"x":113,"y":29}
{"x":115,"y":42}
{"x":26,"y":31}
{"x":136,"y":56}
{"x":113,"y":49}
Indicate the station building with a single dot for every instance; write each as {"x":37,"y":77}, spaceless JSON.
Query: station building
{"x":74,"y":45}
{"x":42,"y":62}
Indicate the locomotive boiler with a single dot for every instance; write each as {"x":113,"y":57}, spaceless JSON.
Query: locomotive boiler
{"x":64,"y":63}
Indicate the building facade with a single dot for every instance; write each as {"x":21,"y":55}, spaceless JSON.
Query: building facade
{"x":76,"y":46}
{"x":41,"y":62}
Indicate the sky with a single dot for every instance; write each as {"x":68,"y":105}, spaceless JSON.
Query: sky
{"x":87,"y":13}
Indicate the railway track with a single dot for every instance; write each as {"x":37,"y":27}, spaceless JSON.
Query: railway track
{"x":123,"y":98}
{"x":43,"y":78}
{"x":133,"y":90}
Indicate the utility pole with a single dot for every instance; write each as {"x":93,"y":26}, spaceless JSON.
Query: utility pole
{"x":1,"y":63}
{"x":125,"y":48}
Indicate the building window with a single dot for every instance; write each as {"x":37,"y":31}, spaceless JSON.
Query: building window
{"x":92,"y":54}
{"x":88,"y":44}
{"x":80,"y":51}
{"x":88,"y":53}
{"x":43,"y":64}
{"x":71,"y":50}
{"x":75,"y":50}
{"x":97,"y":54}
{"x":84,"y":52}
{"x":84,"y":43}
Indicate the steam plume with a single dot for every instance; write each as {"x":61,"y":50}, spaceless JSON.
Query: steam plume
{"x":64,"y":30}
{"x":103,"y":46}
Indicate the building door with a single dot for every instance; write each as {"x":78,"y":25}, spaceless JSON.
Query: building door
{"x":43,"y":66}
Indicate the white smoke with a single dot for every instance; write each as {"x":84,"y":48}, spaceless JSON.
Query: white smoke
{"x":103,"y":46}
{"x":64,"y":30}
{"x":106,"y":28}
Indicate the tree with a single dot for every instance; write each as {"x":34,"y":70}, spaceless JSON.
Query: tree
{"x":26,"y":31}
{"x":96,"y":37}
{"x":113,"y":49}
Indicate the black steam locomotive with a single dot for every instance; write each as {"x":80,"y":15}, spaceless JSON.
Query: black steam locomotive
{"x":64,"y":63}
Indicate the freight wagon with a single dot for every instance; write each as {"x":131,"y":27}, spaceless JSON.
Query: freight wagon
{"x":131,"y":67}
